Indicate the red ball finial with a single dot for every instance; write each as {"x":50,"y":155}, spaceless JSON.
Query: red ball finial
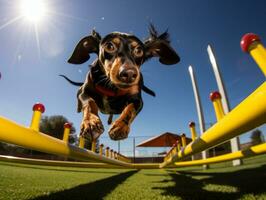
{"x":111,"y":150}
{"x":215,"y":95}
{"x":247,"y":40}
{"x":192,"y":124}
{"x":38,"y":107}
{"x":183,"y":135}
{"x":107,"y":147}
{"x":101,"y":145}
{"x":67,"y":125}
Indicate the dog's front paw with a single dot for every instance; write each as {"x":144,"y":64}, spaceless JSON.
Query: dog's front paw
{"x":119,"y":130}
{"x":91,"y":128}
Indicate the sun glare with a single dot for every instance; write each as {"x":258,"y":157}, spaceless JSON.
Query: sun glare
{"x":33,"y":10}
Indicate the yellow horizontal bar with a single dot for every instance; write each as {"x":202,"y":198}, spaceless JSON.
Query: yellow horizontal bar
{"x":255,"y":150}
{"x":55,"y":162}
{"x":10,"y":132}
{"x":249,"y":114}
{"x":73,"y":164}
{"x":145,"y":165}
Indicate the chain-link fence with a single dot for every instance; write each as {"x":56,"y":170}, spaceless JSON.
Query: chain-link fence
{"x":128,"y":147}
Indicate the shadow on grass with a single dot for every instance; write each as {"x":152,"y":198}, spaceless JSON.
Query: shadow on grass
{"x":231,"y":185}
{"x":95,"y":190}
{"x":53,"y":168}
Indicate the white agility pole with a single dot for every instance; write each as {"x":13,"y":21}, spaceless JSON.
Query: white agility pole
{"x":235,"y":144}
{"x":199,"y":108}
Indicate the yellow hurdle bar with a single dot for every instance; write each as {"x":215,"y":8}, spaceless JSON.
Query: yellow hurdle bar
{"x":112,"y":153}
{"x":38,"y":109}
{"x":251,"y":43}
{"x":249,"y":114}
{"x":93,"y":146}
{"x":255,"y":150}
{"x":81,"y":141}
{"x":101,"y":149}
{"x":178,"y":145}
{"x":183,"y":140}
{"x":217,"y":105}
{"x":31,"y":161}
{"x":107,"y":152}
{"x":67,"y":127}
{"x":193,"y":130}
{"x":10,"y":132}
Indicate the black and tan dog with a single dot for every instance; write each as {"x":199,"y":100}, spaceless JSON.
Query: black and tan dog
{"x":114,"y":82}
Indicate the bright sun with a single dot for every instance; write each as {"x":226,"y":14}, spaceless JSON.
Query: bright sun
{"x":33,"y":10}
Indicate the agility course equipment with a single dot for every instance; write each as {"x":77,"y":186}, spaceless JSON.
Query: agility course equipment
{"x":193,"y":131}
{"x":249,"y":114}
{"x":251,"y":43}
{"x":199,"y":107}
{"x":35,"y":140}
{"x":254,"y":150}
{"x":234,"y":142}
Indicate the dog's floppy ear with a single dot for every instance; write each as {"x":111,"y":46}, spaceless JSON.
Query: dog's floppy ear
{"x":159,"y":46}
{"x":86,"y":45}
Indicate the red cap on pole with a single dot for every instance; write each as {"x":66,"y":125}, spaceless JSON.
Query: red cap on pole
{"x":215,"y":95}
{"x":38,"y":107}
{"x":247,"y":40}
{"x":192,"y":124}
{"x":67,"y":125}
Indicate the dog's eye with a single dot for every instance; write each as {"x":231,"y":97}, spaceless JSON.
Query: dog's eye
{"x":138,"y":52}
{"x":110,"y":47}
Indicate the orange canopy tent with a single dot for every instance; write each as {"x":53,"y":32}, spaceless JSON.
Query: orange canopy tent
{"x":164,"y":140}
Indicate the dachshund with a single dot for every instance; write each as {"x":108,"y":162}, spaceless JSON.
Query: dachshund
{"x":114,"y":83}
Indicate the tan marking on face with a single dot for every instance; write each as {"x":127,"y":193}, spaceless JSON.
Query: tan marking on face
{"x":107,"y":67}
{"x":133,"y":44}
{"x":116,"y":41}
{"x":114,"y":71}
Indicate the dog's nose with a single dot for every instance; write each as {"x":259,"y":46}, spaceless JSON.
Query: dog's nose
{"x":128,"y":75}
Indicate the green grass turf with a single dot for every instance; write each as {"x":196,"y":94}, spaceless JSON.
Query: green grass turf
{"x":221,"y":181}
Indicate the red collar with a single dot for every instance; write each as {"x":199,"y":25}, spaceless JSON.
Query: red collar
{"x":109,"y":93}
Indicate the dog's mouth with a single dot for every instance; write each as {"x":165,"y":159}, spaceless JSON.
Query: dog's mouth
{"x":122,"y":85}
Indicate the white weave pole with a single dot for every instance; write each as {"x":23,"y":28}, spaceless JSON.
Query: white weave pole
{"x":199,"y":107}
{"x":235,"y":144}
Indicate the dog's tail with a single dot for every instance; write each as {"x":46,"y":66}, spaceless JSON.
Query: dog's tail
{"x":72,"y":82}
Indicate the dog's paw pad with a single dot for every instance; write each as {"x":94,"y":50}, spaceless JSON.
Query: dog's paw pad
{"x":91,"y":128}
{"x":119,"y":130}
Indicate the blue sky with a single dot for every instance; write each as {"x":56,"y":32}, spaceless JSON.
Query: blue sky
{"x":32,"y":56}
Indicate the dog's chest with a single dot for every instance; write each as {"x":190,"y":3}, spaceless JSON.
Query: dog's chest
{"x":106,"y":108}
{"x":112,"y":105}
